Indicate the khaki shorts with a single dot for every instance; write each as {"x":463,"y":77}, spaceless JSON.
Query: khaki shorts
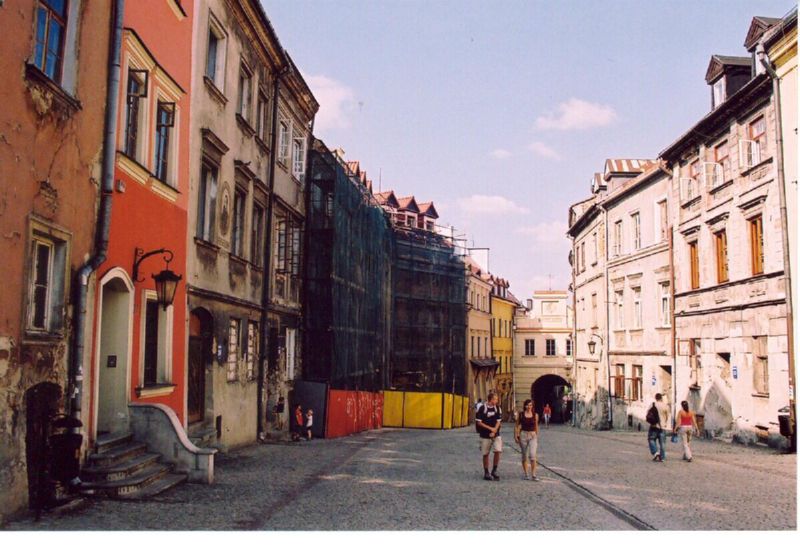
{"x":530,"y":444}
{"x":494,"y":444}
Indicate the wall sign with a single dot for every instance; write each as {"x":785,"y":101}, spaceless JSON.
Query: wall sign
{"x":111,"y":361}
{"x":735,"y":372}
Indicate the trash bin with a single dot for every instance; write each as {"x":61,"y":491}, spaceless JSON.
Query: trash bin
{"x":784,"y":422}
{"x":65,"y":448}
{"x":701,"y":424}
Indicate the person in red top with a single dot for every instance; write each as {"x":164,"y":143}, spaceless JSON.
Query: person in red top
{"x":297,"y":423}
{"x":685,"y":424}
{"x":546,"y":412}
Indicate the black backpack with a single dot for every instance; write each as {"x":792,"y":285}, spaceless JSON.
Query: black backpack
{"x":652,"y":415}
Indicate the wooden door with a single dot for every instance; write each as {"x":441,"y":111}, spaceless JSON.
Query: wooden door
{"x":196,"y":394}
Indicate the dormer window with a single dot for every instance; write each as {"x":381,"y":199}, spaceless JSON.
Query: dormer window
{"x":718,"y":92}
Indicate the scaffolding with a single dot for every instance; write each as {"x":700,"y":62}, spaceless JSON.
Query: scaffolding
{"x":348,"y":279}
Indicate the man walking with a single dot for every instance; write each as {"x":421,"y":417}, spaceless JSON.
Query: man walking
{"x":658,"y":418}
{"x":488,"y":420}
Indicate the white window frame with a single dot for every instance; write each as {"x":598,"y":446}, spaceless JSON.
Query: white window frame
{"x":659,"y":234}
{"x":636,"y":221}
{"x":620,"y":306}
{"x":547,"y":345}
{"x":214,"y":27}
{"x":39,"y":241}
{"x":232,"y":361}
{"x":299,"y":157}
{"x":171,"y":177}
{"x":713,"y":175}
{"x":143,"y":114}
{"x":665,"y":304}
{"x":165,"y":338}
{"x":718,"y":92}
{"x":530,"y":347}
{"x":284,"y":136}
{"x":291,"y":353}
{"x":688,"y":189}
{"x":637,"y":307}
{"x":749,"y":153}
{"x":618,"y":239}
{"x":244,"y":92}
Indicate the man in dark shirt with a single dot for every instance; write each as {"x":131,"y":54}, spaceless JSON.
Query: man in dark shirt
{"x":488,"y":419}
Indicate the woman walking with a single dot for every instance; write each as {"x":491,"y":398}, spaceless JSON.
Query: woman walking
{"x":685,"y":424}
{"x":526,"y":434}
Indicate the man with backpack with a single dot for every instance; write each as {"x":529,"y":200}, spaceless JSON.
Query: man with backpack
{"x":658,"y":418}
{"x":487,"y":422}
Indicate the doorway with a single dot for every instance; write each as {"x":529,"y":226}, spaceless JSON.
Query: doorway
{"x":201,"y":328}
{"x":113,"y":354}
{"x":549,"y":389}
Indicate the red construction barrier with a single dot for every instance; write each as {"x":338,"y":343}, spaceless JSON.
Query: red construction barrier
{"x":352,"y":412}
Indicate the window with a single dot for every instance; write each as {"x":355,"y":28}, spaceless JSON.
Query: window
{"x":243,"y":100}
{"x":237,"y":242}
{"x":51,"y":22}
{"x":215,"y":59}
{"x":256,"y":238}
{"x":262,"y":118}
{"x":252,"y":349}
{"x":583,"y":256}
{"x":291,"y":336}
{"x":486,"y":346}
{"x":550,"y":347}
{"x":756,"y":245}
{"x":46,"y":284}
{"x":718,"y":92}
{"x":637,"y":230}
{"x":410,"y":220}
{"x":618,"y":238}
{"x":156,"y":340}
{"x":294,"y":262}
{"x":620,"y":321}
{"x":760,"y":366}
{"x":594,"y":310}
{"x":280,"y":263}
{"x":569,"y":347}
{"x":637,"y":308}
{"x":636,"y":383}
{"x":663,"y":220}
{"x":721,"y":243}
{"x":472,"y":345}
{"x":722,"y":158}
{"x":289,"y":247}
{"x":689,"y":186}
{"x":165,"y":120}
{"x":664,"y":309}
{"x":233,"y":349}
{"x":619,"y":381}
{"x":751,"y":152}
{"x":594,"y":248}
{"x":283,"y":141}
{"x":299,"y":157}
{"x":207,"y":203}
{"x":694,"y":266}
{"x":137,"y":89}
{"x":530,"y":347}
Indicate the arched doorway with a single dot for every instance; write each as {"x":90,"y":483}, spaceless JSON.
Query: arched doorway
{"x":113,"y":352}
{"x":550,"y":389}
{"x":42,"y":403}
{"x":201,"y":332}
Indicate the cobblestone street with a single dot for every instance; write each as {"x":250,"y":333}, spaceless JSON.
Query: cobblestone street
{"x":431,"y":480}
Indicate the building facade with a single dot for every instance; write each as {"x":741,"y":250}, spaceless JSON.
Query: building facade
{"x":503,"y":307}
{"x":482,"y":367}
{"x":543,"y":362}
{"x":53,"y":101}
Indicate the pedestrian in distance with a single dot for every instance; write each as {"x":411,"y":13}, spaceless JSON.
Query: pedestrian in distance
{"x":658,"y":418}
{"x":526,"y":434}
{"x":279,"y":408}
{"x":547,"y":412}
{"x":478,"y":405}
{"x":297,"y":423}
{"x":309,"y":423}
{"x":488,"y":422}
{"x":685,"y":425}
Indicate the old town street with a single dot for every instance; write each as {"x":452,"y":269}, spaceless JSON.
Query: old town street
{"x":420,"y":479}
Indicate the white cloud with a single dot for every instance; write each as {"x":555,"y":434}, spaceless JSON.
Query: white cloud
{"x":577,"y":114}
{"x":500,"y":153}
{"x":336,"y":103}
{"x":548,"y":236}
{"x":543,"y":150}
{"x":490,"y":204}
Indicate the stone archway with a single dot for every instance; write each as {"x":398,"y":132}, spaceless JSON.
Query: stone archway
{"x":549,"y":389}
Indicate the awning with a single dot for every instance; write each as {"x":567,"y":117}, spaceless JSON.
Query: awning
{"x":485,"y":364}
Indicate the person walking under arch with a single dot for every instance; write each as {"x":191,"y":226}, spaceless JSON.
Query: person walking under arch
{"x":685,"y":424}
{"x":488,"y":422}
{"x":526,"y":433}
{"x":547,"y":412}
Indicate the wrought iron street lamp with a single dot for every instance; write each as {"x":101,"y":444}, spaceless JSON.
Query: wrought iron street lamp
{"x":166,"y":281}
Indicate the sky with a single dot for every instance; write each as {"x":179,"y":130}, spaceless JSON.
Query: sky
{"x":500,"y":112}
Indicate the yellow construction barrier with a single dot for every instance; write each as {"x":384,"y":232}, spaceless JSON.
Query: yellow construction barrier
{"x":429,"y":410}
{"x":393,"y":409}
{"x":447,"y":402}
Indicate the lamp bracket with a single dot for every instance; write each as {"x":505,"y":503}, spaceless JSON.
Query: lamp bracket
{"x":140,"y":255}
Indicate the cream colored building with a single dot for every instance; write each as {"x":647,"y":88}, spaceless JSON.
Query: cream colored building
{"x":543,"y":362}
{"x":481,"y":367}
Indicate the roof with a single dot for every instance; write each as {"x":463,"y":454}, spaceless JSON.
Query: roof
{"x":717,"y":64}
{"x":758,"y":26}
{"x":408,"y":203}
{"x":513,"y":299}
{"x":353,"y":167}
{"x":388,"y":198}
{"x":779,"y":30}
{"x":428,"y":209}
{"x":625,"y":167}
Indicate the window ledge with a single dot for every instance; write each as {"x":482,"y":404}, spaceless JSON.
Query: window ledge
{"x":618,"y":331}
{"x":215,"y":91}
{"x":237,"y":259}
{"x":206,"y":244}
{"x":154,"y":390}
{"x":256,"y":268}
{"x":262,"y":145}
{"x":636,"y":330}
{"x":720,"y":187}
{"x":762,"y":396}
{"x":748,"y":170}
{"x":282,"y":164}
{"x":666,"y":327}
{"x":33,"y":336}
{"x":133,"y":168}
{"x":690,"y":202}
{"x":66,"y":102}
{"x":164,"y":189}
{"x":694,"y":386}
{"x":245,"y":125}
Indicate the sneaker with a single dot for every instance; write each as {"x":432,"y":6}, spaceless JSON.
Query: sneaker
{"x":495,"y":476}
{"x":487,"y":477}
{"x":688,"y":459}
{"x":535,"y":478}
{"x":656,"y":457}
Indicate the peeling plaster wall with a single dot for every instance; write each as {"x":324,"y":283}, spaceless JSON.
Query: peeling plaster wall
{"x":49,"y":172}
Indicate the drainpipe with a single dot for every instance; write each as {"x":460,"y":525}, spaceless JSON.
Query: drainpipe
{"x":574,"y":341}
{"x":103,"y":225}
{"x":266,"y":285}
{"x":763,"y":57}
{"x":608,"y":326}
